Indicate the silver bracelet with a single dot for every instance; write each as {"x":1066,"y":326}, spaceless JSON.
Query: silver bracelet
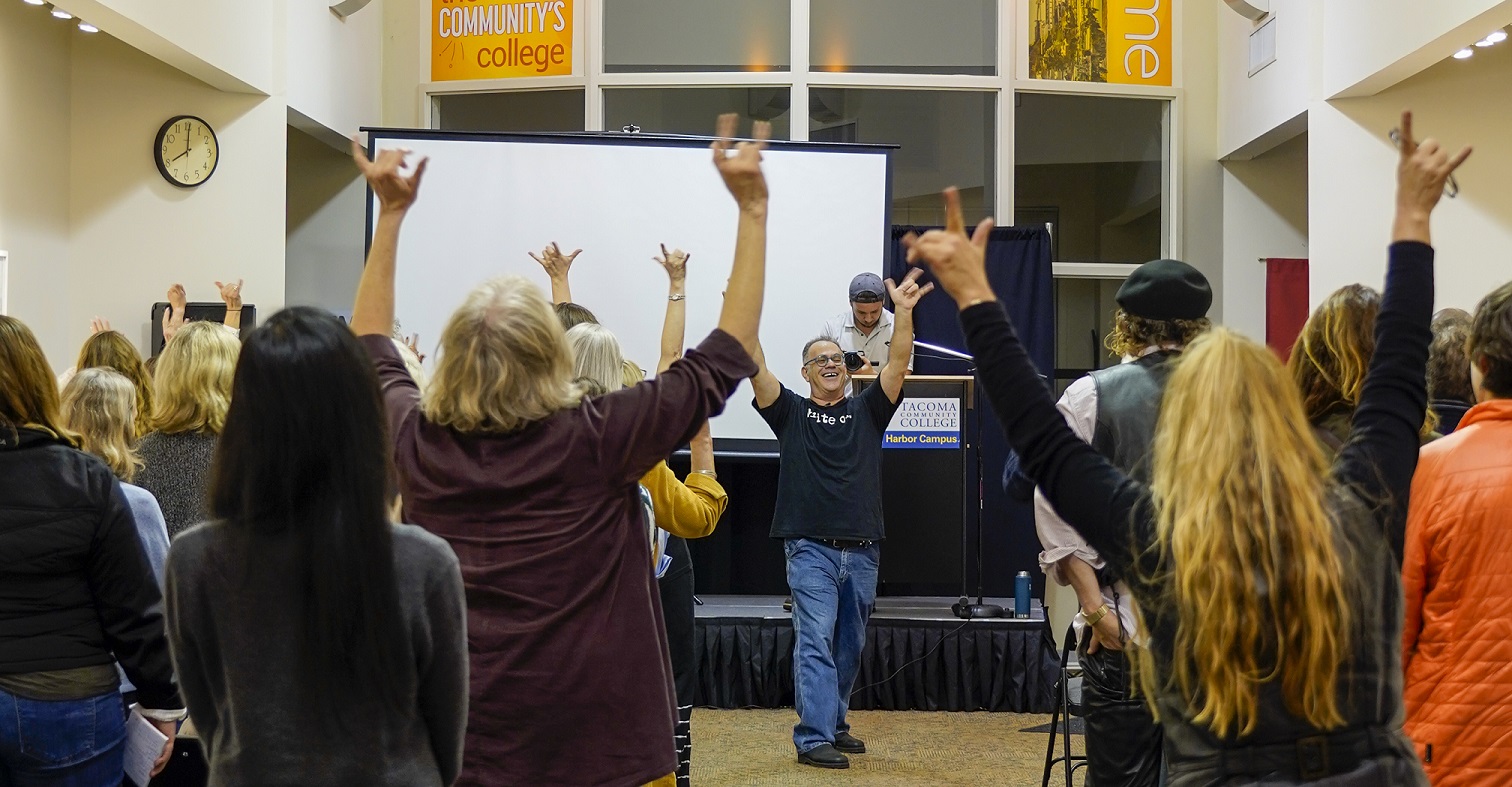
{"x":677,"y":297}
{"x":709,"y":473}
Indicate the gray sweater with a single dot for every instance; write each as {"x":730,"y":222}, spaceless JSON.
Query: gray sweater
{"x":234,"y":648}
{"x":176,"y":470}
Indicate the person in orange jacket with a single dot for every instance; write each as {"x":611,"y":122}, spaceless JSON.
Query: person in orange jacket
{"x":1456,"y":655}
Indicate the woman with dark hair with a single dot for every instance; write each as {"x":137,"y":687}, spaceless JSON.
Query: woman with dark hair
{"x":76,"y":594}
{"x":1267,"y":577}
{"x":316,"y":642}
{"x":1450,"y":394}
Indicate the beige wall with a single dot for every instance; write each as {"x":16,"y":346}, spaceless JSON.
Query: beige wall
{"x":132,"y":233}
{"x":34,"y":145}
{"x":326,"y":213}
{"x":1201,"y":177}
{"x":1264,"y":215}
{"x":1354,"y":169}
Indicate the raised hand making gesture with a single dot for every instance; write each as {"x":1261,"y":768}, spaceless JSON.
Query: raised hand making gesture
{"x":373,"y":313}
{"x":1422,"y":170}
{"x":557,"y":266}
{"x":173,"y":318}
{"x":958,"y":262}
{"x":742,"y":170}
{"x":230,"y":293}
{"x":98,"y":325}
{"x":395,"y":192}
{"x":907,"y":294}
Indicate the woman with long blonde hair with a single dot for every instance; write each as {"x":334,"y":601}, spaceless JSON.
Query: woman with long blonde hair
{"x":192,"y":388}
{"x":1268,"y":580}
{"x":1329,"y":360}
{"x":100,"y":406}
{"x":112,"y":350}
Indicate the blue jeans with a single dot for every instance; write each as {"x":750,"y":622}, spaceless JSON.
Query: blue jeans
{"x":69,"y":743}
{"x":834,"y":591}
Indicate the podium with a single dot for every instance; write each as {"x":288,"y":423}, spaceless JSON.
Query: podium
{"x":931,"y":486}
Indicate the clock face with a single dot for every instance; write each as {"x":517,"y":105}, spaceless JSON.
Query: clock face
{"x":186,"y":151}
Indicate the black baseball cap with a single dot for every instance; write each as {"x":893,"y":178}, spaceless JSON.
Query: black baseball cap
{"x":866,"y":288}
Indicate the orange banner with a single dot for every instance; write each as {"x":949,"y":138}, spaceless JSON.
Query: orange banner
{"x":1139,"y":42}
{"x":477,"y":39}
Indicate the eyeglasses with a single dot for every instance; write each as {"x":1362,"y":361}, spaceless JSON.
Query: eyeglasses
{"x":838,"y":359}
{"x":1451,"y":186}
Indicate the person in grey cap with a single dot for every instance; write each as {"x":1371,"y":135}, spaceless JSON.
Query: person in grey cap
{"x":1162,"y":306}
{"x":866,"y":327}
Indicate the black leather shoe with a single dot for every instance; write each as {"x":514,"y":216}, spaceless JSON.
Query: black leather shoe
{"x":849,"y":744}
{"x":824,"y":756}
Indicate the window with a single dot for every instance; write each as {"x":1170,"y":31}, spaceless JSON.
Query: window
{"x":691,"y":110}
{"x":732,"y":35}
{"x":1083,"y":318}
{"x":904,"y":36}
{"x":945,"y":138}
{"x":1095,"y":167}
{"x":534,"y":110}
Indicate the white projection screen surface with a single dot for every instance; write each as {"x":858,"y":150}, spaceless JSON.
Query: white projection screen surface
{"x":488,"y":200}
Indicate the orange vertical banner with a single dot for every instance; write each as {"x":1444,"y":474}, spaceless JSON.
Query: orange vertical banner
{"x":477,"y":39}
{"x":1139,"y":42}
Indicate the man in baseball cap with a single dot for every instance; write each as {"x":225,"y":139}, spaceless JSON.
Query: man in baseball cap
{"x":1163,"y":305}
{"x":866,"y":327}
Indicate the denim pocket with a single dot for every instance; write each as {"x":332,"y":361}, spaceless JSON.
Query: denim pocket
{"x":69,"y":731}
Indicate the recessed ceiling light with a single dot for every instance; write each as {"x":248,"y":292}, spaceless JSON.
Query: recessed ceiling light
{"x":87,"y":27}
{"x":61,"y":14}
{"x":34,"y":2}
{"x":1463,"y":53}
{"x":1485,"y":42}
{"x":1497,"y":37}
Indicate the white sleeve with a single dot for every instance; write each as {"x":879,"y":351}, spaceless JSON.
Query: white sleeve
{"x":1078,"y":405}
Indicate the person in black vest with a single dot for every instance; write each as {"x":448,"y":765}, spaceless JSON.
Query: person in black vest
{"x":1162,"y":306}
{"x":829,"y":515}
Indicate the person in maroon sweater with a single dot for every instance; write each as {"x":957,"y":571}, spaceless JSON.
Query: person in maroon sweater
{"x":535,"y":488}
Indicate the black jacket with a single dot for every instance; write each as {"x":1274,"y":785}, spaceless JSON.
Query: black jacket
{"x":75,"y":587}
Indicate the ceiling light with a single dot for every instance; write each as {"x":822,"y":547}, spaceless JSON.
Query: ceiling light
{"x":61,"y":14}
{"x":1463,"y":53}
{"x":87,"y":27}
{"x":1486,"y":42}
{"x":34,"y":2}
{"x":1495,"y":38}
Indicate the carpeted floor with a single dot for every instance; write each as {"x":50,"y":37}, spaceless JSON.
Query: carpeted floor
{"x":755,"y":747}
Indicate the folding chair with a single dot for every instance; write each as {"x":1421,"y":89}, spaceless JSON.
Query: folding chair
{"x":1067,"y":704}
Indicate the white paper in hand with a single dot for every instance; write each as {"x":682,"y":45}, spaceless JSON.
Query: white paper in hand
{"x":144,"y":744}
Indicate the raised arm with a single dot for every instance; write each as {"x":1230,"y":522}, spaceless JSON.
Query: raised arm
{"x":1382,"y":451}
{"x":557,"y":266}
{"x":173,"y":318}
{"x":1092,"y":495}
{"x":230,"y":293}
{"x":904,"y":297}
{"x":674,"y":324}
{"x":764,"y":383}
{"x":741,"y":315}
{"x":373,"y":313}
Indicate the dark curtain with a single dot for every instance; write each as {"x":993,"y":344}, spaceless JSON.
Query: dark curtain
{"x":1019,"y":268}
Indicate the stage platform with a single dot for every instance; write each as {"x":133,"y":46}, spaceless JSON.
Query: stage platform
{"x":918,"y":656}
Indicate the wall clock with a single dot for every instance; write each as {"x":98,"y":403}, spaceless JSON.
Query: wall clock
{"x":186,"y":151}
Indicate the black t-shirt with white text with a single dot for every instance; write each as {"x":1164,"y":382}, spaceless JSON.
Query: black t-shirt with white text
{"x":829,"y":482}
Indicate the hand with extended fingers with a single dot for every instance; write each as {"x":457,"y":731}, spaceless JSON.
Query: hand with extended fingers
{"x":675,"y":262}
{"x":1422,"y":170}
{"x":99,"y":325}
{"x":958,"y":262}
{"x":555,"y":262}
{"x":741,"y":170}
{"x":907,"y":294}
{"x":396,"y":192}
{"x":230,"y":292}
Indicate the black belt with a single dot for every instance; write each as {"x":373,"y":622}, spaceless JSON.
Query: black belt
{"x":1310,"y":758}
{"x":844,"y":543}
